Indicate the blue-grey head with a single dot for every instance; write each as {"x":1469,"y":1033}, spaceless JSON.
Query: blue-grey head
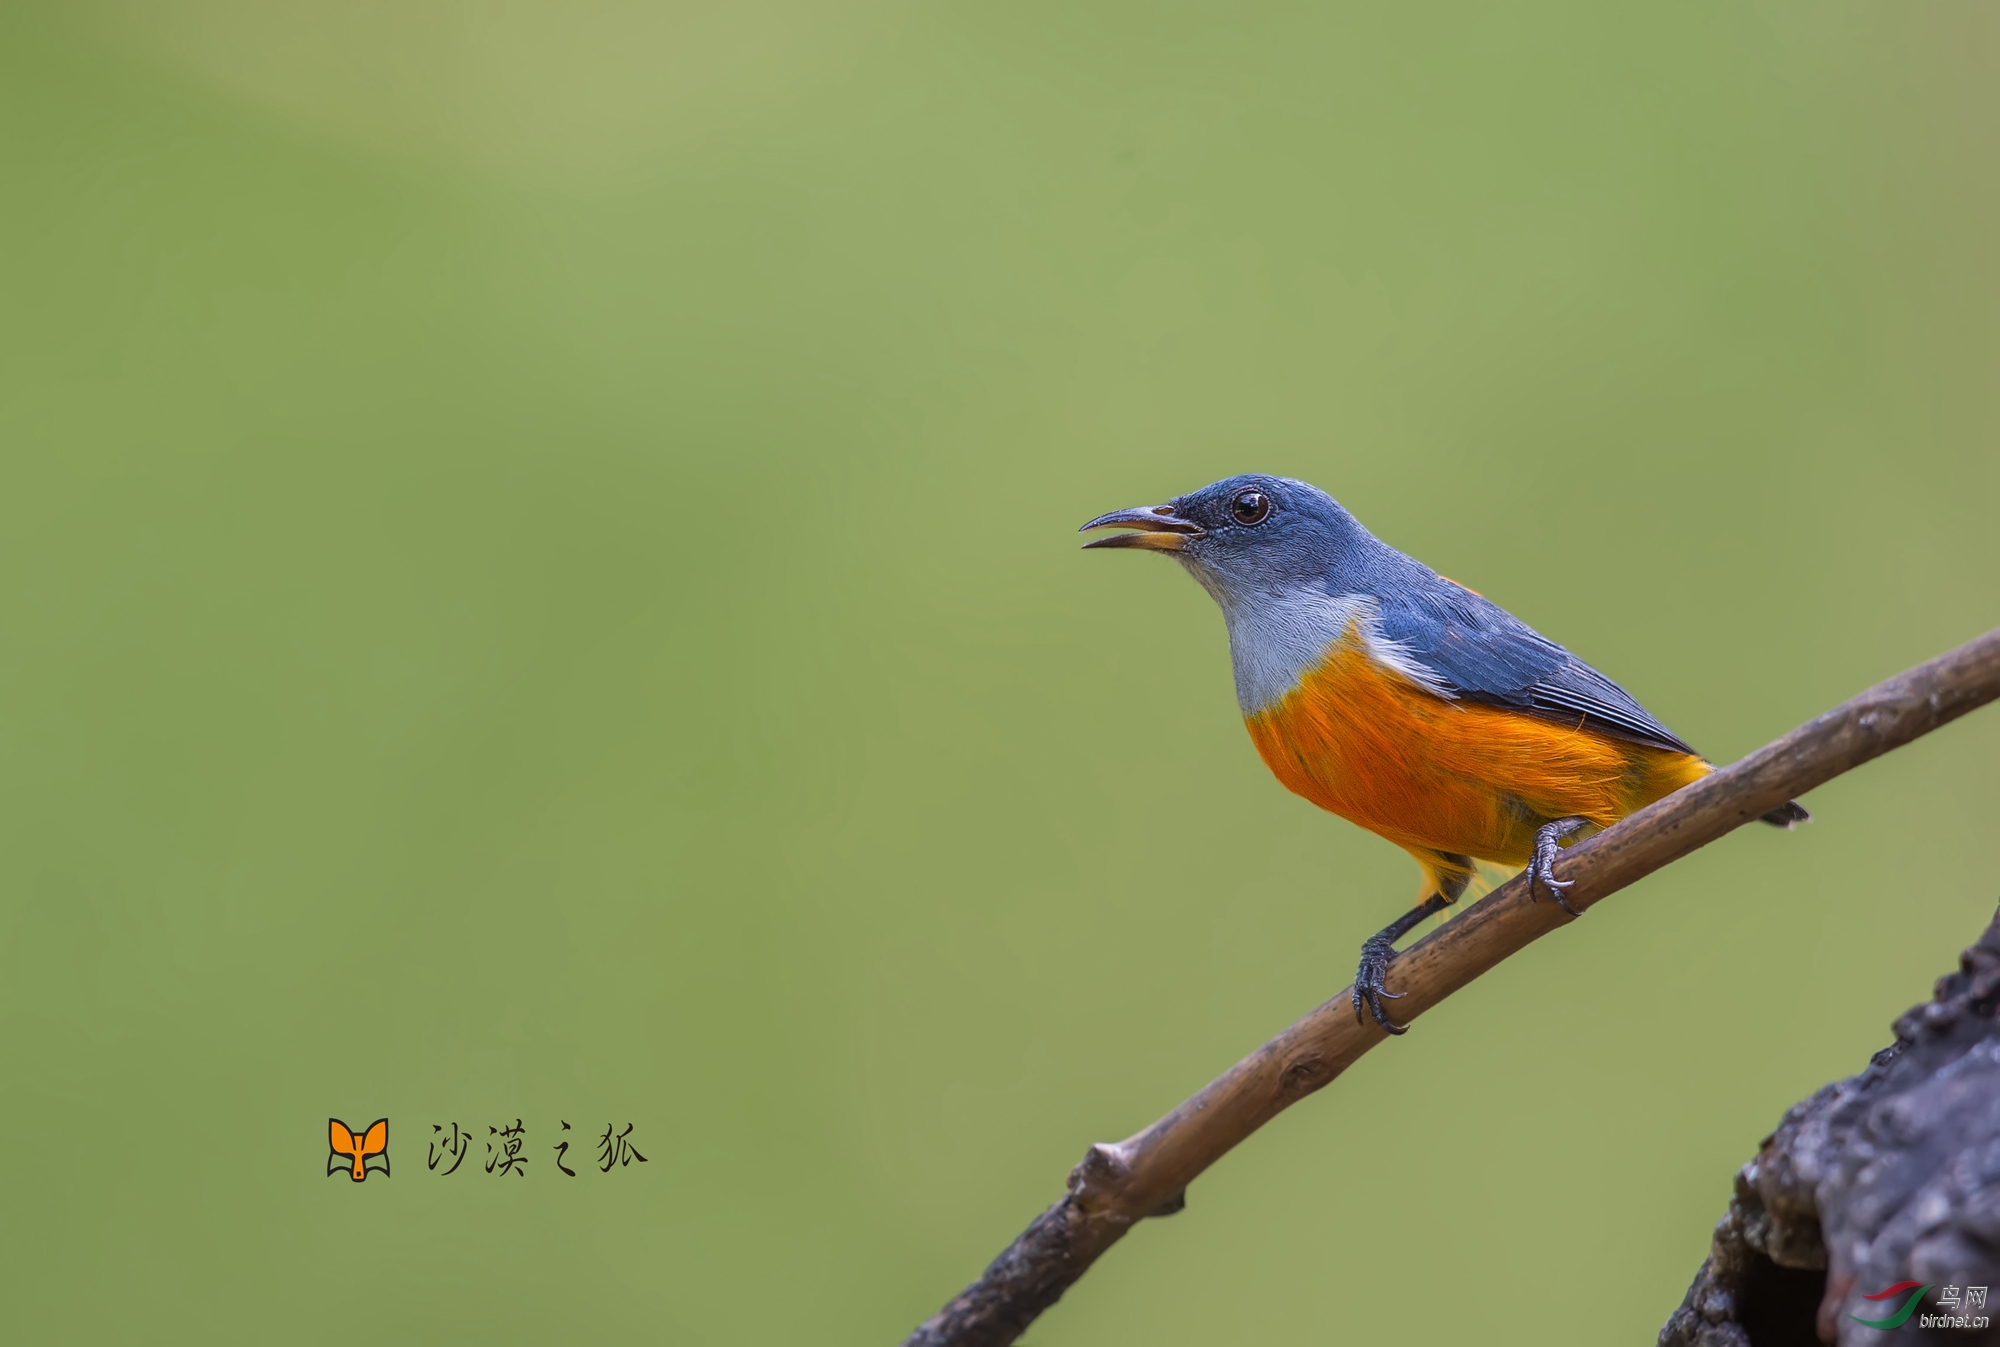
{"x":1289,"y":567}
{"x":1247,"y":535}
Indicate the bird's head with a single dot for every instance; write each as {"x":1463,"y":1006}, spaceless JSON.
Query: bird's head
{"x":1243,"y":536}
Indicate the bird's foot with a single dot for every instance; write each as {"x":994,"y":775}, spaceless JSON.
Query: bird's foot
{"x":1377,"y":950}
{"x":1548,"y":844}
{"x":1369,"y":991}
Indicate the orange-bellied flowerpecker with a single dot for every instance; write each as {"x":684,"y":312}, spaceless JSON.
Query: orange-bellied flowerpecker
{"x":1405,"y":702}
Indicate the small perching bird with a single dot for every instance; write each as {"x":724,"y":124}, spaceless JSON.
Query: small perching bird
{"x":1405,"y":702}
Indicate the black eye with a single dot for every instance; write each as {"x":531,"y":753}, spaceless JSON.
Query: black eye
{"x":1250,"y":507}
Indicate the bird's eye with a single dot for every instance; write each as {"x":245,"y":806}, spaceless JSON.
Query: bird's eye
{"x":1250,"y":507}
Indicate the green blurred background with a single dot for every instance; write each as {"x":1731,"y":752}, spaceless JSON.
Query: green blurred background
{"x":537,"y":572}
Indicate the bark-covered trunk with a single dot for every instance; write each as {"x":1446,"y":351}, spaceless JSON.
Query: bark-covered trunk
{"x":1888,"y":1177}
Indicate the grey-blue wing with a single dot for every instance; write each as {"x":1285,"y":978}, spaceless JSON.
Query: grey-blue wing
{"x":1486,"y":654}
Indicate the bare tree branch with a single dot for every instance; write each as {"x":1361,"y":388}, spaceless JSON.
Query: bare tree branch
{"x":1119,"y":1184}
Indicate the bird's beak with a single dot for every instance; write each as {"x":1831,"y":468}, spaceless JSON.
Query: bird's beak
{"x":1159,"y":529}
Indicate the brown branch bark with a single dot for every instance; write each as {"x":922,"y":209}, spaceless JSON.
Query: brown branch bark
{"x":1117,"y":1185}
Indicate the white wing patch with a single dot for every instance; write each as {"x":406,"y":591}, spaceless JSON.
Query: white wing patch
{"x":1275,"y":637}
{"x":1395,"y":655}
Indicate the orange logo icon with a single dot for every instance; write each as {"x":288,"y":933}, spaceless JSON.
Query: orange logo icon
{"x":360,"y":1155}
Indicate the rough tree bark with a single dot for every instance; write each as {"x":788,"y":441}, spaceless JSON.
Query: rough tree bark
{"x":1117,"y":1185}
{"x":1890,"y":1176}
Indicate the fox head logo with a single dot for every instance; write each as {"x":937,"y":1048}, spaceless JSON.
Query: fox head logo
{"x":360,"y":1155}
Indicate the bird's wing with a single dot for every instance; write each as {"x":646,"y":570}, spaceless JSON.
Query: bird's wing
{"x":1484,"y":653}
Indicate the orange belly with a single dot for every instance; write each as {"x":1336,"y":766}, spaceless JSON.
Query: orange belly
{"x":1442,"y":778}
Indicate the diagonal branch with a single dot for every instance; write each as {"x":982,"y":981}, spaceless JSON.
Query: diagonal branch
{"x":1147,"y":1175}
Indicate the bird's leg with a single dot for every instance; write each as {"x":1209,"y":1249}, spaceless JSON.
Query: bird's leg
{"x":1378,"y":949}
{"x":1548,"y":841}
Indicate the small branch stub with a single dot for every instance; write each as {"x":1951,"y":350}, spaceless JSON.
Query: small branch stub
{"x":1098,"y":1181}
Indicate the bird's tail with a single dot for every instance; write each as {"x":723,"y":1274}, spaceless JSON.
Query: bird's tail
{"x":1787,"y":814}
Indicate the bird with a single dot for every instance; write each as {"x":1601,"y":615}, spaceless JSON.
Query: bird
{"x":1407,"y":703}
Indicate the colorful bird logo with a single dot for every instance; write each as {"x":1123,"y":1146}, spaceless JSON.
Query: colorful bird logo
{"x":1900,"y":1317}
{"x":360,"y":1155}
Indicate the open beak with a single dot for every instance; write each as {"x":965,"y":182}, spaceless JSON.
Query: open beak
{"x":1159,"y":529}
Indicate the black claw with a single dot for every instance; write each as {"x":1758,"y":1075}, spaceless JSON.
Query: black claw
{"x":1548,"y":845}
{"x":1376,"y":951}
{"x":1369,"y":993}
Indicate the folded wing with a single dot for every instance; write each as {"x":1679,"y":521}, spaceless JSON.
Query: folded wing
{"x":1484,"y":653}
